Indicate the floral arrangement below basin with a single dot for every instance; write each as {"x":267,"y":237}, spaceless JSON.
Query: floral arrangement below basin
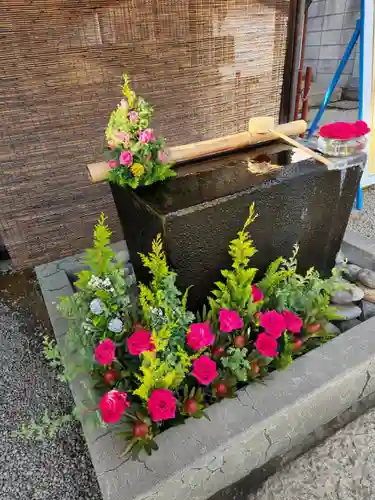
{"x":154,"y":363}
{"x":137,"y":156}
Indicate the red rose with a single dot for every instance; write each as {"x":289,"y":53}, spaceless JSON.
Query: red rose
{"x":229,"y":321}
{"x":105,"y":352}
{"x":112,"y":405}
{"x":162,"y":405}
{"x":293,"y":322}
{"x":139,"y":342}
{"x":204,"y":370}
{"x":256,"y":293}
{"x":266,"y":345}
{"x":199,"y":336}
{"x":273,"y":322}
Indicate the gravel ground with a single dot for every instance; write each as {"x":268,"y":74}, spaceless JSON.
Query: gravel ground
{"x":51,"y":470}
{"x":364,"y":221}
{"x":341,"y":468}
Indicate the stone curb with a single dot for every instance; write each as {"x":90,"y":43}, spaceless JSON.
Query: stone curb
{"x":359,"y":249}
{"x":266,"y":421}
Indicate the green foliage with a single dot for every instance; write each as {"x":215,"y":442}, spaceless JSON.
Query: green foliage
{"x":285,"y":357}
{"x":47,"y":428}
{"x":162,"y":302}
{"x":235,"y":292}
{"x":52,"y":354}
{"x":147,"y":165}
{"x":237,"y":363}
{"x":308,"y":295}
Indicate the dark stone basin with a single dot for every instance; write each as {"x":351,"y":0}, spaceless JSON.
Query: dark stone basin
{"x":201,"y":210}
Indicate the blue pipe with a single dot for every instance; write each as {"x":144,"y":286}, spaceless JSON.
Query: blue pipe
{"x":335,"y":79}
{"x":359,"y":199}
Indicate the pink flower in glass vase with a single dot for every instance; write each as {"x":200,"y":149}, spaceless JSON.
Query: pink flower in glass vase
{"x":256,"y":293}
{"x":266,"y":345}
{"x":161,"y":405}
{"x":292,"y":321}
{"x":204,"y":370}
{"x":199,"y":336}
{"x":126,"y":158}
{"x":133,"y":116}
{"x":112,"y":405}
{"x":273,"y":322}
{"x":229,"y":320}
{"x":145,"y":136}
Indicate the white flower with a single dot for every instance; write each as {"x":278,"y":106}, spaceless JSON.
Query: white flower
{"x":115,"y":325}
{"x":96,"y":306}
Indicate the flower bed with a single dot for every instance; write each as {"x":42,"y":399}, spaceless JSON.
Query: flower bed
{"x":154,"y":363}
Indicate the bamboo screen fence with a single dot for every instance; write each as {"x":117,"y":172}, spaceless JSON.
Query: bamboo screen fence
{"x":205,"y":65}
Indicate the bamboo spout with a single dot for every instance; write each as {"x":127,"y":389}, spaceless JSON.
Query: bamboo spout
{"x":193,"y":151}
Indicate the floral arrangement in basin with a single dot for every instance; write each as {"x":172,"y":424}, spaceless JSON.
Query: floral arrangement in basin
{"x":137,"y":155}
{"x":153,"y":363}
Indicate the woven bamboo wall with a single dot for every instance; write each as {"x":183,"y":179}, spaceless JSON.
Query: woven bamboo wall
{"x":205,"y":65}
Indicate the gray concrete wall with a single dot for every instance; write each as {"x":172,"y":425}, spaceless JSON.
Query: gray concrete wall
{"x":330,"y":26}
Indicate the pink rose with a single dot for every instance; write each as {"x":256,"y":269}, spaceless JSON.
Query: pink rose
{"x":204,"y":370}
{"x":126,"y":158}
{"x":273,"y":322}
{"x":293,"y":322}
{"x":139,"y":342}
{"x":162,"y":157}
{"x":123,"y":137}
{"x":229,"y":321}
{"x":105,"y":352}
{"x":199,"y":336}
{"x":161,"y":405}
{"x":145,"y":136}
{"x":256,"y":293}
{"x":112,"y":405}
{"x":133,"y":116}
{"x":266,"y":345}
{"x":112,"y":164}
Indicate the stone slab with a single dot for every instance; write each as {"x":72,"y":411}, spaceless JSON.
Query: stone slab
{"x":358,"y":249}
{"x":264,"y":422}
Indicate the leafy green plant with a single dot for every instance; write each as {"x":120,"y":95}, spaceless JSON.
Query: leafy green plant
{"x":235,"y":291}
{"x":47,"y":428}
{"x":236,"y":361}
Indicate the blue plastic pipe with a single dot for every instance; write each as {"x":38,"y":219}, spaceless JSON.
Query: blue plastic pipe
{"x":335,"y":79}
{"x":359,"y":199}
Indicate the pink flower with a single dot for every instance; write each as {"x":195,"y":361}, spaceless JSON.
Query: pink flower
{"x":111,"y":144}
{"x":123,"y":137}
{"x":126,"y":158}
{"x":105,"y":352}
{"x":256,"y":293}
{"x":199,"y":336}
{"x":112,"y":405}
{"x":124,"y":104}
{"x":266,"y":345}
{"x":133,"y":116}
{"x":145,"y":136}
{"x":273,"y":322}
{"x":139,"y":342}
{"x":292,"y":321}
{"x":112,"y":164}
{"x":204,"y":370}
{"x":161,"y":405}
{"x":229,"y":320}
{"x":162,"y":157}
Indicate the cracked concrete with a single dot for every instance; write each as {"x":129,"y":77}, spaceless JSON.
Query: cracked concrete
{"x":341,"y":468}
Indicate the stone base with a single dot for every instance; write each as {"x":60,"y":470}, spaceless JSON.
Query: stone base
{"x":249,"y":435}
{"x":200,"y":211}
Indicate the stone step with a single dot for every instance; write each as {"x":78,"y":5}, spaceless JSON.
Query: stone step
{"x":317,"y":93}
